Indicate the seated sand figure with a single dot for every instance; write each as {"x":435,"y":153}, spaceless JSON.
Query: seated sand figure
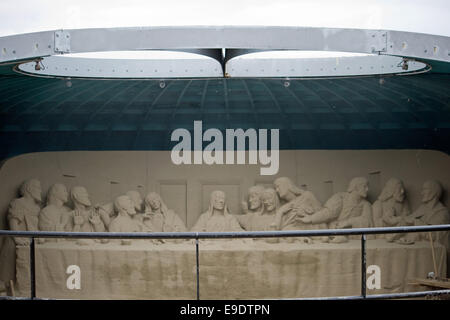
{"x":138,"y":202}
{"x":299,"y":203}
{"x":271,"y":204}
{"x":217,"y":218}
{"x":158,"y":217}
{"x":252,"y":206}
{"x":391,"y":210}
{"x":261,"y":220}
{"x":55,"y":216}
{"x":23,"y":215}
{"x":345,"y":209}
{"x":84,"y":217}
{"x":430,"y":212}
{"x":253,"y":203}
{"x":270,"y":201}
{"x":124,"y":221}
{"x":106,"y":212}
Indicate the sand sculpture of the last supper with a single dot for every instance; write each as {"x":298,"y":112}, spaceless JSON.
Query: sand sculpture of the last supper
{"x":143,"y":192}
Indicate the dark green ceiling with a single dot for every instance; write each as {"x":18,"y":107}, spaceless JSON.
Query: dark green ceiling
{"x":38,"y":114}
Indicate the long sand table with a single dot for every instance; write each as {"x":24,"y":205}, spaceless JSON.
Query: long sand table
{"x":229,"y":269}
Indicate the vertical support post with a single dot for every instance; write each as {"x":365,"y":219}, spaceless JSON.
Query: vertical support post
{"x":436,"y":275}
{"x":363,"y":266}
{"x":198,"y":267}
{"x":32,"y":271}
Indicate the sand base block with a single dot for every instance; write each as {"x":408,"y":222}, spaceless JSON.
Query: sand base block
{"x":229,"y":269}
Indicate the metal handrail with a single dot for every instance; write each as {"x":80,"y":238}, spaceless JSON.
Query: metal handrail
{"x":239,"y":234}
{"x":221,"y":235}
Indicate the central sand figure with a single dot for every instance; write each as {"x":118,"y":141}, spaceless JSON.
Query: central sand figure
{"x":217,"y":218}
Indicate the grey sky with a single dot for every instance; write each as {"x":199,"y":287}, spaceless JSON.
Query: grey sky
{"x":21,"y":16}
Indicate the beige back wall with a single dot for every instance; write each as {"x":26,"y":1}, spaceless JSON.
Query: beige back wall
{"x":186,"y":188}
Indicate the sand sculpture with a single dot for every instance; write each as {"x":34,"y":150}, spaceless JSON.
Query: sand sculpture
{"x":283,"y":207}
{"x":55,"y":216}
{"x":159,"y":217}
{"x":107,"y":213}
{"x":345,"y":210}
{"x":138,"y":202}
{"x":391,"y":209}
{"x":430,"y":212}
{"x":23,"y":215}
{"x":253,"y":203}
{"x":125,"y":221}
{"x":298,"y":205}
{"x":84,"y":217}
{"x":270,"y":201}
{"x":263,"y":204}
{"x":251,"y":208}
{"x":217,"y":218}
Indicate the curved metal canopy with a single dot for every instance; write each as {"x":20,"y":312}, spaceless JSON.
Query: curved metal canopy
{"x":235,"y":41}
{"x":40,"y":114}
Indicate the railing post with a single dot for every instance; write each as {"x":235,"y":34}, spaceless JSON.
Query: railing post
{"x":198,"y":267}
{"x":363,"y":266}
{"x":32,"y":271}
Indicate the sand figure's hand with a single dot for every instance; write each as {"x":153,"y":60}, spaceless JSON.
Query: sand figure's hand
{"x":78,"y":218}
{"x":95,"y":218}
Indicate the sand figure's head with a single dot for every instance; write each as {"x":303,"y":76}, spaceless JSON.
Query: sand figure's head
{"x":360,"y":186}
{"x":135,"y":196}
{"x":124,"y":204}
{"x":80,"y":195}
{"x":393,"y":190}
{"x":32,"y":188}
{"x":431,"y":190}
{"x":270,"y":199}
{"x":286,"y":188}
{"x":254,"y":197}
{"x":58,"y":191}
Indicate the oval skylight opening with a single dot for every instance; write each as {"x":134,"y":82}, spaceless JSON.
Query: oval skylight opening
{"x":138,"y":55}
{"x":159,"y":64}
{"x":297,"y":54}
{"x":306,"y":64}
{"x":127,"y":65}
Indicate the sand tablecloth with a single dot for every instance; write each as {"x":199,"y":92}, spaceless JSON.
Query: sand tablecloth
{"x":229,"y":269}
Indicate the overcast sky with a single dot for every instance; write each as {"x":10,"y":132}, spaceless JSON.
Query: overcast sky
{"x":428,"y":16}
